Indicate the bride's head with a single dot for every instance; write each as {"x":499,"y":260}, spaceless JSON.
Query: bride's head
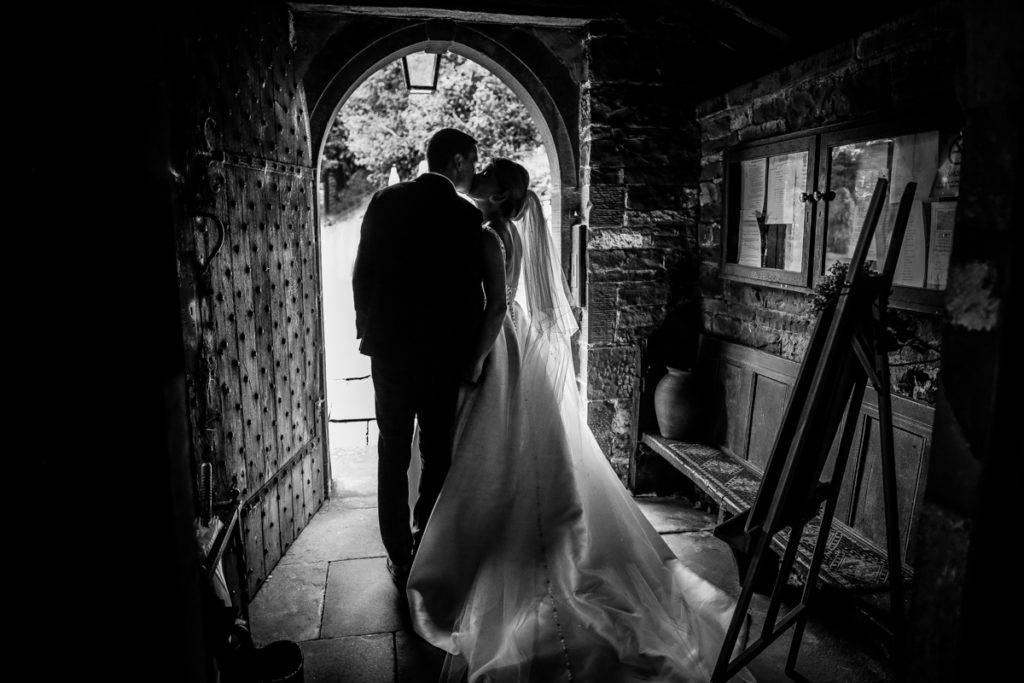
{"x":500,"y":189}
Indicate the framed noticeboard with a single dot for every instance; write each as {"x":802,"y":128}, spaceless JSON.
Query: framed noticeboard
{"x":795,"y":204}
{"x":769,"y":222}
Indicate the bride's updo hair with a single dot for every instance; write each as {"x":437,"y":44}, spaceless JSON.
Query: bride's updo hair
{"x":515,"y":179}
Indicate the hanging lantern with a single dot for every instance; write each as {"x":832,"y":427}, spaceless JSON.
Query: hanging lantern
{"x":421,"y":70}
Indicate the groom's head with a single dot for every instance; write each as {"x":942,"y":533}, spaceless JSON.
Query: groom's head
{"x":452,"y":153}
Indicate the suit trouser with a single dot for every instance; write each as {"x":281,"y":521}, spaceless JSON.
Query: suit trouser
{"x":407,"y":391}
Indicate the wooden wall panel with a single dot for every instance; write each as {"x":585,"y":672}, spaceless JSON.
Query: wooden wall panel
{"x":868,"y":515}
{"x":769,"y":405}
{"x":737,"y":387}
{"x":753,"y":387}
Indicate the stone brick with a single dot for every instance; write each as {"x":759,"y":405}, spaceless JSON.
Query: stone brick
{"x":658,"y":218}
{"x":633,"y":335}
{"x":627,"y":105}
{"x":818,"y":64}
{"x":716,"y":127}
{"x":740,"y":118}
{"x":611,"y":423}
{"x":648,"y":196}
{"x":711,"y":168}
{"x":613,"y":372}
{"x":710,"y":202}
{"x":711,"y":106}
{"x":640,"y":317}
{"x":626,"y":264}
{"x":718,"y":144}
{"x":769,"y":108}
{"x":895,"y":35}
{"x":602,"y":313}
{"x":819,"y":102}
{"x":744,"y":94}
{"x":670,"y":174}
{"x":616,"y":238}
{"x":643,"y":294}
{"x":762,"y":130}
{"x":606,"y":205}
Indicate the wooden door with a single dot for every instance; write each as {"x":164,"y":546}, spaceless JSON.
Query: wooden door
{"x":248,"y":262}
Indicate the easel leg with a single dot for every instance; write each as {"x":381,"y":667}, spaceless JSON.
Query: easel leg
{"x":892,"y":522}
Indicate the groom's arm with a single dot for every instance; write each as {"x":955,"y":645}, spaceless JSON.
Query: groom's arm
{"x":364,"y":268}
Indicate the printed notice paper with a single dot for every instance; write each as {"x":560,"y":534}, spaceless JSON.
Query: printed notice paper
{"x":910,"y":268}
{"x":914,"y":159}
{"x":752,"y":180}
{"x":787,"y":178}
{"x":940,"y":243}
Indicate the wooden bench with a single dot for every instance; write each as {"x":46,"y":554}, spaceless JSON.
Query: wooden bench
{"x":749,"y":389}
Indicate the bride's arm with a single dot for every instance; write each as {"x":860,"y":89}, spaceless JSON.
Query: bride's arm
{"x":494,"y":311}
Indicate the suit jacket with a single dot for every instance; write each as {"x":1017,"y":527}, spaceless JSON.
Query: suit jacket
{"x":418,"y":273}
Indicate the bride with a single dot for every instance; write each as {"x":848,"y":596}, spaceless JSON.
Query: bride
{"x":536,"y":563}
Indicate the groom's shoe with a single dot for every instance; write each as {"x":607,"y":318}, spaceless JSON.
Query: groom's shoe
{"x":399,"y":574}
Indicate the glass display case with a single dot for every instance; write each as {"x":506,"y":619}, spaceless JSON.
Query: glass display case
{"x":794,"y":205}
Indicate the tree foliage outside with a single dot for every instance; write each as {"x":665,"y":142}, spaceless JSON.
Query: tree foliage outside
{"x":383,"y":125}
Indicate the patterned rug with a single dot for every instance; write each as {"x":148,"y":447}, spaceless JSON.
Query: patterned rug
{"x":850,"y":562}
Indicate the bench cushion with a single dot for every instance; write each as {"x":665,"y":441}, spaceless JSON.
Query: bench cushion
{"x":851,"y":562}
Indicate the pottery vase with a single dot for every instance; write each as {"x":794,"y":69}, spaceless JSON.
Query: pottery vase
{"x":678,"y":402}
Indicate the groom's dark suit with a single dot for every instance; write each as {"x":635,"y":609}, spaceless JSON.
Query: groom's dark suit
{"x":419,"y":303}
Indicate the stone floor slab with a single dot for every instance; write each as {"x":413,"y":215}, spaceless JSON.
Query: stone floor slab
{"x":361,"y":599}
{"x":362,"y":659}
{"x":288,"y":605}
{"x":669,"y":514}
{"x":709,"y":557}
{"x":337,"y":532}
{"x":418,"y":660}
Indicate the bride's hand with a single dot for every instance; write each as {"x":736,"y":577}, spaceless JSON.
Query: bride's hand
{"x":472,"y":371}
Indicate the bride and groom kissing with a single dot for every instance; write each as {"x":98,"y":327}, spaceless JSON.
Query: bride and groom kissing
{"x":526,"y":558}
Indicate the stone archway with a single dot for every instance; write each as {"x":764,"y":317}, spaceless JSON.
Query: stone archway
{"x":520,"y":61}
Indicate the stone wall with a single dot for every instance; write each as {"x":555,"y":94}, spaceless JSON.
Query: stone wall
{"x":639,"y":156}
{"x":904,"y":66}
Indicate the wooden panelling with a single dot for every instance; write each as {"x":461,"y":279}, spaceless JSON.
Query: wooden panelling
{"x":868,"y":515}
{"x":252,"y":319}
{"x":252,"y":530}
{"x":752,"y":387}
{"x":309,"y":499}
{"x":735,"y":399}
{"x":286,"y":508}
{"x":271,"y":529}
{"x":769,"y":404}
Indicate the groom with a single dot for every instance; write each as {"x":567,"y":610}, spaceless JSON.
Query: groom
{"x":418,"y":301}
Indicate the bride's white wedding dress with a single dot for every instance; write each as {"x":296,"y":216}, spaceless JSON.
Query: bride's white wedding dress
{"x":536,"y":563}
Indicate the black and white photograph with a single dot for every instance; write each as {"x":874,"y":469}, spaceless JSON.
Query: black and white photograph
{"x":534,"y":342}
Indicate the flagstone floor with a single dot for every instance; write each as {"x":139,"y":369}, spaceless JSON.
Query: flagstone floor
{"x":331,"y":594}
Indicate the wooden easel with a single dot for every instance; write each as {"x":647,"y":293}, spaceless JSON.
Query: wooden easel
{"x":846,"y":350}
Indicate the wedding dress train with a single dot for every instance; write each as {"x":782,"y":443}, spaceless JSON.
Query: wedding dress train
{"x":536,"y":564}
